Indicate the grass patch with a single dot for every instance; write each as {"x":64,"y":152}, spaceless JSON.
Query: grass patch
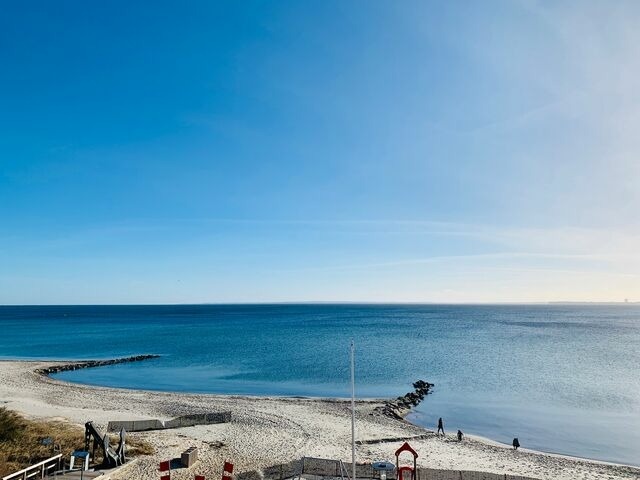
{"x":21,"y":441}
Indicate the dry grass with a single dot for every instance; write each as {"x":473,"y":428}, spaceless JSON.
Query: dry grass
{"x":20,"y":441}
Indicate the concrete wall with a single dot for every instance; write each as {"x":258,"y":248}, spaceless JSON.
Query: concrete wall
{"x":199,"y":419}
{"x":135,"y":425}
{"x":183,"y":421}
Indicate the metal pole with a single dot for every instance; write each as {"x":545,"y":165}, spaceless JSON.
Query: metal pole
{"x":353,"y":410}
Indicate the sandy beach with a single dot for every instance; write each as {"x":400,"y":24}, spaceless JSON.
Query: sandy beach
{"x":265,"y":431}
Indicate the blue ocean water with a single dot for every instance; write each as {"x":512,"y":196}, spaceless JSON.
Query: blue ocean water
{"x":562,"y":378}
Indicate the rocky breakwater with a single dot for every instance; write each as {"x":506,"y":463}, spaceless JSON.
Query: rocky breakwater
{"x":92,"y":363}
{"x":399,"y":407}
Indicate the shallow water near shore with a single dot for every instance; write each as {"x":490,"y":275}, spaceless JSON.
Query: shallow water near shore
{"x":561,"y":378}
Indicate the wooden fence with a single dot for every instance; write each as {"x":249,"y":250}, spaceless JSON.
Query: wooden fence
{"x":317,"y":468}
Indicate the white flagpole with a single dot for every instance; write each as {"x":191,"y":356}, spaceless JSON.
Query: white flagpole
{"x":353,"y":411}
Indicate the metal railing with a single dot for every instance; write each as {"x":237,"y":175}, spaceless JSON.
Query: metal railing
{"x":39,"y":470}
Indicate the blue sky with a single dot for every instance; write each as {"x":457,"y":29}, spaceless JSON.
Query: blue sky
{"x":154,"y":152}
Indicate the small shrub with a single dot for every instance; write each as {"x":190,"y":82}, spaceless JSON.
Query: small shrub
{"x":11,"y":425}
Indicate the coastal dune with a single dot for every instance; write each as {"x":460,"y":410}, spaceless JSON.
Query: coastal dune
{"x":270,"y":430}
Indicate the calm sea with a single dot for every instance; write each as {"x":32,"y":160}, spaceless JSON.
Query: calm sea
{"x":561,"y":378}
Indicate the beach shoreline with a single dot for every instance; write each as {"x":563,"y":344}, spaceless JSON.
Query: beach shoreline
{"x":267,"y":430}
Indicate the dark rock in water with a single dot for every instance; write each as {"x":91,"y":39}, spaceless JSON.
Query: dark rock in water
{"x":399,"y":407}
{"x":92,"y":363}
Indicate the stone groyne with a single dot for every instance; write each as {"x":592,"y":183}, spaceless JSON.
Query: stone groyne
{"x":399,"y":407}
{"x":91,"y":364}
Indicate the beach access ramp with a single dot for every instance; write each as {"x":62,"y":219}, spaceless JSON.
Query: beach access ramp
{"x":111,"y":457}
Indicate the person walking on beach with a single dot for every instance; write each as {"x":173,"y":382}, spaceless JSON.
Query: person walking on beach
{"x":460,"y":435}
{"x":516,"y":443}
{"x":440,"y":426}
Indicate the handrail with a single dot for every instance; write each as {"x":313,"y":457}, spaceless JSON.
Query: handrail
{"x":26,"y":472}
{"x":343,"y":471}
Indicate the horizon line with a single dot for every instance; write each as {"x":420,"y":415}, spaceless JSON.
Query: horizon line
{"x":322,"y":302}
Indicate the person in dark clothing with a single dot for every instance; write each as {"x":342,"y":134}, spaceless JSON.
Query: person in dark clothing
{"x":440,"y":426}
{"x":460,"y":435}
{"x":516,"y":443}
